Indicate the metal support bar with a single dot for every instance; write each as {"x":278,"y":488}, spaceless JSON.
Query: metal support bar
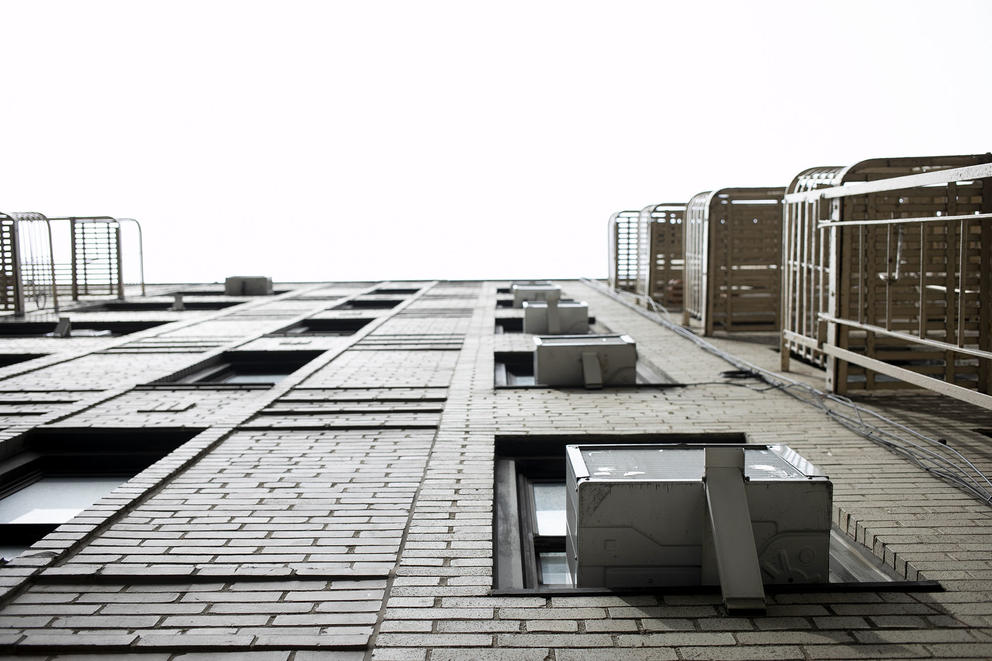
{"x":942,"y":387}
{"x":733,"y":537}
{"x":554,"y":316}
{"x":591,"y":371}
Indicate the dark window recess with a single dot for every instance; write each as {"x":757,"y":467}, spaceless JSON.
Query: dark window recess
{"x":47,"y":478}
{"x":509,"y":325}
{"x":152,"y":306}
{"x":220,"y":292}
{"x":530,"y":526}
{"x":367,"y":304}
{"x":244,"y":368}
{"x":325,"y":327}
{"x":504,"y":302}
{"x":503,"y":290}
{"x":513,"y":368}
{"x":7,"y":359}
{"x":78,"y":328}
{"x":396,"y":290}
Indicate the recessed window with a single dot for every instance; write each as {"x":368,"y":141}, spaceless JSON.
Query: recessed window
{"x":7,"y":359}
{"x":47,"y":478}
{"x":152,"y":306}
{"x":514,"y":368}
{"x":530,"y":522}
{"x":219,"y":291}
{"x":368,"y":304}
{"x":78,"y":328}
{"x":504,"y":302}
{"x":396,"y":290}
{"x":509,"y":325}
{"x":344,"y":326}
{"x":251,"y":368}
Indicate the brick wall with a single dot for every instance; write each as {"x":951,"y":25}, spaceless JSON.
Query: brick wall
{"x":346,"y":513}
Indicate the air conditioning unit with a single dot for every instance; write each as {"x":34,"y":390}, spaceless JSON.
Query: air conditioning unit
{"x":248,"y":285}
{"x":556,"y":317}
{"x":738,"y":516}
{"x":523,"y":293}
{"x":592,"y":361}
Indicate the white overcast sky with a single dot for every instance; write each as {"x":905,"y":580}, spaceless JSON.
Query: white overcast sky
{"x":372,"y":140}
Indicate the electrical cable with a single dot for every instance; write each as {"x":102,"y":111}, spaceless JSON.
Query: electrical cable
{"x":933,"y":460}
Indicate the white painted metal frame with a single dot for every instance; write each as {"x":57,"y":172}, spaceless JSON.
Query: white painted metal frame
{"x":624,"y":240}
{"x":958,"y":342}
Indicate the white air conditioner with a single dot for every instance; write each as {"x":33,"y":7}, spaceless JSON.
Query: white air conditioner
{"x":585,"y":360}
{"x":556,"y":317}
{"x":248,"y":285}
{"x":739,"y":516}
{"x":523,"y":293}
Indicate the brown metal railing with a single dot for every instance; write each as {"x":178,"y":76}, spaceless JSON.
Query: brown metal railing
{"x":31,"y":278}
{"x":660,"y":258}
{"x":732,"y":252}
{"x":888,"y":283}
{"x":624,"y":240}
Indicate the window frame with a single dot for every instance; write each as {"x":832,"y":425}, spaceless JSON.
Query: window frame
{"x":77,"y":453}
{"x":522,"y":461}
{"x":312,"y":327}
{"x":208,"y":373}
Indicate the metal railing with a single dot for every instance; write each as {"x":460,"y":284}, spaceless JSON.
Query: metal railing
{"x":889,"y":292}
{"x":33,"y":273}
{"x":624,"y":241}
{"x":732,"y":259}
{"x":660,"y":259}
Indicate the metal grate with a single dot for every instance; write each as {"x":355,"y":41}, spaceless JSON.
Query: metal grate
{"x":905,"y":269}
{"x":733,"y":241}
{"x":96,"y":257}
{"x":623,"y":250}
{"x":660,"y":262}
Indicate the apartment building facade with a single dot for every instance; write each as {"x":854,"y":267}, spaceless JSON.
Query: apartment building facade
{"x":320,"y":473}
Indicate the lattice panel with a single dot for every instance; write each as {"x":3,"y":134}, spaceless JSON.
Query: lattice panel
{"x":96,"y":264}
{"x":9,"y":285}
{"x":660,"y":258}
{"x":624,"y":239}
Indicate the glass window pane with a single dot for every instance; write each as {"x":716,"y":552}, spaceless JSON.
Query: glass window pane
{"x":250,"y":378}
{"x":549,"y":502}
{"x":554,"y":568}
{"x":9,"y":552}
{"x":56,"y":499}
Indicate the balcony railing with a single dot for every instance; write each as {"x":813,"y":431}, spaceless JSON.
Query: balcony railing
{"x":888,"y":283}
{"x":44,"y":259}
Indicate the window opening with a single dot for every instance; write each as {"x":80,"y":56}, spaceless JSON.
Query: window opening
{"x":514,"y":368}
{"x":342,"y":327}
{"x":530,"y":518}
{"x":7,"y":359}
{"x":243,"y":368}
{"x":367,"y":304}
{"x":47,"y":478}
{"x":509,"y":325}
{"x":152,"y":306}
{"x":396,"y":290}
{"x":79,"y":328}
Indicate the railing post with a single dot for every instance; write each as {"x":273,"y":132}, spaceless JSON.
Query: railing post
{"x":120,"y":261}
{"x":72,"y":259}
{"x":15,"y":256}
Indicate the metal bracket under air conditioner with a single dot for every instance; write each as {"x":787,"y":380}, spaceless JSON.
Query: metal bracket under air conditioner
{"x":733,"y":536}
